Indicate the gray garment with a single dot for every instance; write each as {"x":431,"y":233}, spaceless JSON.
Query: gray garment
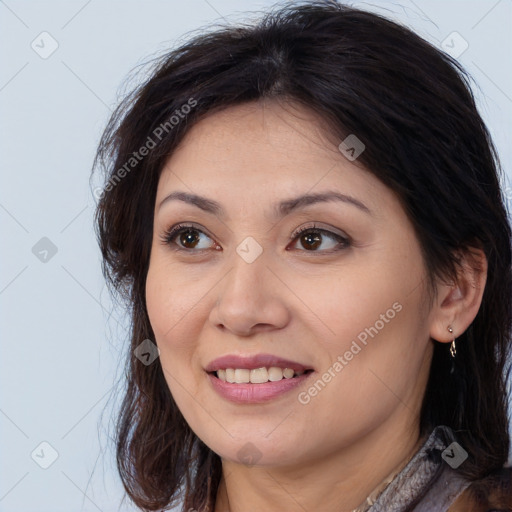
{"x":427,"y":483}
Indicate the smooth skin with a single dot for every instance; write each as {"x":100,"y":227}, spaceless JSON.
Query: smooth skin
{"x":298,"y":300}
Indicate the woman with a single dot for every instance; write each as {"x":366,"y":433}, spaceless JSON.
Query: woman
{"x":305,"y":218}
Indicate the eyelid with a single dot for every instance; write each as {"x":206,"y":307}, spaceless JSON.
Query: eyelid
{"x":315,"y":226}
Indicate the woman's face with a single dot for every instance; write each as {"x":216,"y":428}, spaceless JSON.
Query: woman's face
{"x":345,"y":300}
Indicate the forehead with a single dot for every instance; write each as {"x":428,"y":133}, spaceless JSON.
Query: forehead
{"x":284,"y":130}
{"x":264,"y":149}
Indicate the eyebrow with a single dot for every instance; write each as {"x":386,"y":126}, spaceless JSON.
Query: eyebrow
{"x":281,"y":209}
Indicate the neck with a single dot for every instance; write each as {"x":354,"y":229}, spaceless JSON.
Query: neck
{"x":343,"y":481}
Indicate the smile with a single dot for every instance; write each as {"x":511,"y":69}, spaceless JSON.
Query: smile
{"x":257,"y":375}
{"x":257,"y":385}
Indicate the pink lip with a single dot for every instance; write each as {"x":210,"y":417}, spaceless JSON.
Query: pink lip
{"x":255,"y":393}
{"x":252,"y":362}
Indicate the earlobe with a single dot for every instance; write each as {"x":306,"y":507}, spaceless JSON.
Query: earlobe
{"x":457,"y":303}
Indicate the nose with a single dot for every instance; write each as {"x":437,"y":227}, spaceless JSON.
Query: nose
{"x":251,"y":298}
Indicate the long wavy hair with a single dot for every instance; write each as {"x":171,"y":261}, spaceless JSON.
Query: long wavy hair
{"x":413,"y":107}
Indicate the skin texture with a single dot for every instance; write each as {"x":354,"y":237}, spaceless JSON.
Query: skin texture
{"x":299,"y":303}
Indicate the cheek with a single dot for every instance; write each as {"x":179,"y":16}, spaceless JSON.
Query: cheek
{"x":176,"y":345}
{"x":170,"y":309}
{"x":178,"y":305}
{"x":355,"y":303}
{"x":374,"y":371}
{"x":377,"y":337}
{"x":171,"y":299}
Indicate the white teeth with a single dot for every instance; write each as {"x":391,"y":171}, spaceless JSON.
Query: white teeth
{"x":288,"y":373}
{"x":275,"y":374}
{"x":242,"y":376}
{"x":257,"y":375}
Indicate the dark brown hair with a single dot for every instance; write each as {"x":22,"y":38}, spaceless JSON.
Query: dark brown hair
{"x":413,"y":108}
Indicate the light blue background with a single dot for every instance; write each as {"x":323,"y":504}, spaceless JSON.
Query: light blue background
{"x":61,"y":342}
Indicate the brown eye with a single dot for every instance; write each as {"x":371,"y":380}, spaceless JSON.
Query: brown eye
{"x":311,"y":238}
{"x":187,"y":238}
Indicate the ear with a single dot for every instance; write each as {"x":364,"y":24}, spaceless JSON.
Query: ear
{"x":457,"y":303}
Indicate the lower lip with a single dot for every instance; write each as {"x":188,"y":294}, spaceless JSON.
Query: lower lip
{"x":255,"y":393}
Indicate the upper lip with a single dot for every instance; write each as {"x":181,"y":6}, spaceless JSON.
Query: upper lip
{"x":251,"y":362}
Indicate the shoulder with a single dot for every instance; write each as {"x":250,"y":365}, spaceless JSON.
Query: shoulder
{"x":490,"y":494}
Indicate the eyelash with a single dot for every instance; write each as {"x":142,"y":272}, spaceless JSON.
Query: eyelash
{"x":169,"y":236}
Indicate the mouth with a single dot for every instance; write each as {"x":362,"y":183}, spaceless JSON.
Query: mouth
{"x":260,"y":375}
{"x":253,"y":379}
